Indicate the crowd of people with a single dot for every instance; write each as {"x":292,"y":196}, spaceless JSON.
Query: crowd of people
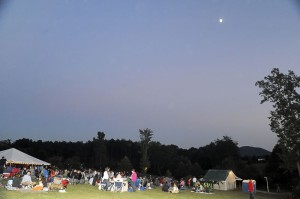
{"x":32,"y":177}
{"x":193,"y":184}
{"x":45,"y":177}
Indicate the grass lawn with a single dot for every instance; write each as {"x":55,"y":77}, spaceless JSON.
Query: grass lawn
{"x":91,"y":192}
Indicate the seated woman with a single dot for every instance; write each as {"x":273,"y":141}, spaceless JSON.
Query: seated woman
{"x":26,"y":180}
{"x":174,"y":188}
{"x":38,"y":187}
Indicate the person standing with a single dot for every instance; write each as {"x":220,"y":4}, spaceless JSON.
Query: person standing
{"x":189,"y":182}
{"x":133,"y":179}
{"x":194,"y":181}
{"x":251,"y":189}
{"x":105,"y":178}
{"x":2,"y":164}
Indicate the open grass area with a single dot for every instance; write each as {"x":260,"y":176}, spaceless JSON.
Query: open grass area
{"x":91,"y":192}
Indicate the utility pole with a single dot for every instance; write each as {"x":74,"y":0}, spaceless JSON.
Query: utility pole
{"x":267,"y":183}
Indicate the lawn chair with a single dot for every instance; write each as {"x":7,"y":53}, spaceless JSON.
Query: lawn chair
{"x":102,"y":185}
{"x":117,"y":185}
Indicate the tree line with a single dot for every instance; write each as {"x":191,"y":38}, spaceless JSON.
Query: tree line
{"x":152,"y":157}
{"x":159,"y":159}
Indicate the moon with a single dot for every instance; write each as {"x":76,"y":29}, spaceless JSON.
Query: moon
{"x":221,"y":20}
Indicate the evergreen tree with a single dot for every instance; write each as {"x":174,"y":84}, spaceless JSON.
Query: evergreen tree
{"x":145,"y":137}
{"x":100,"y":151}
{"x":125,"y":164}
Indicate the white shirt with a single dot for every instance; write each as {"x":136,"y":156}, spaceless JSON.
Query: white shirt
{"x":194,"y":180}
{"x":105,"y":175}
{"x":26,"y":178}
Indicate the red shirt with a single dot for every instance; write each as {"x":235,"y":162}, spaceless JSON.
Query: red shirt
{"x":250,"y":186}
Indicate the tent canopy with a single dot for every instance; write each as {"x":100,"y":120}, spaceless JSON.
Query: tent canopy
{"x":217,"y":175}
{"x":14,"y":156}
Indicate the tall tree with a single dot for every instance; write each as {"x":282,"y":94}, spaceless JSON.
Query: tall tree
{"x":282,"y":90}
{"x":100,"y":151}
{"x":145,"y":137}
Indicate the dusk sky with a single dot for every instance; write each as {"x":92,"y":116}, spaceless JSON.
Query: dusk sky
{"x":69,"y":69}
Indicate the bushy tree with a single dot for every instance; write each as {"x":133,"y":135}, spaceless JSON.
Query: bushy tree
{"x":282,"y":90}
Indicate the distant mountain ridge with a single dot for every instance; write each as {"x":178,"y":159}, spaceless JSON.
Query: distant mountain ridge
{"x":253,"y":151}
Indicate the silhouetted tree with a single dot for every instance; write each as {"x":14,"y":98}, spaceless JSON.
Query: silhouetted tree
{"x":275,"y":168}
{"x":282,"y":91}
{"x":100,"y":151}
{"x":5,"y":144}
{"x":145,"y":138}
{"x":218,"y":154}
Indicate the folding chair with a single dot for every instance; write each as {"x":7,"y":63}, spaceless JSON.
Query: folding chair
{"x":118,"y":184}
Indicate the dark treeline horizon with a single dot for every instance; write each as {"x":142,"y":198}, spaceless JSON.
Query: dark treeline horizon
{"x":165,"y":160}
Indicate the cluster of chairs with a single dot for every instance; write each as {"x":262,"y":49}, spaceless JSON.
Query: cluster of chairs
{"x":116,"y":186}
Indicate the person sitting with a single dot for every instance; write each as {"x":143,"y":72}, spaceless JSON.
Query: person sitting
{"x":17,"y":181}
{"x":7,"y":171}
{"x":65,"y":174}
{"x":38,"y":187}
{"x":14,"y":171}
{"x":119,"y":176}
{"x":174,"y":188}
{"x":26,"y":180}
{"x":198,"y":187}
{"x":182,"y":184}
{"x":165,"y":187}
{"x":111,"y":182}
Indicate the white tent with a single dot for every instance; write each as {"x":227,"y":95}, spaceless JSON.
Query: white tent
{"x":225,"y":179}
{"x":15,"y":156}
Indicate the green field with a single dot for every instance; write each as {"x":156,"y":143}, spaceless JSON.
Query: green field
{"x":88,"y":191}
